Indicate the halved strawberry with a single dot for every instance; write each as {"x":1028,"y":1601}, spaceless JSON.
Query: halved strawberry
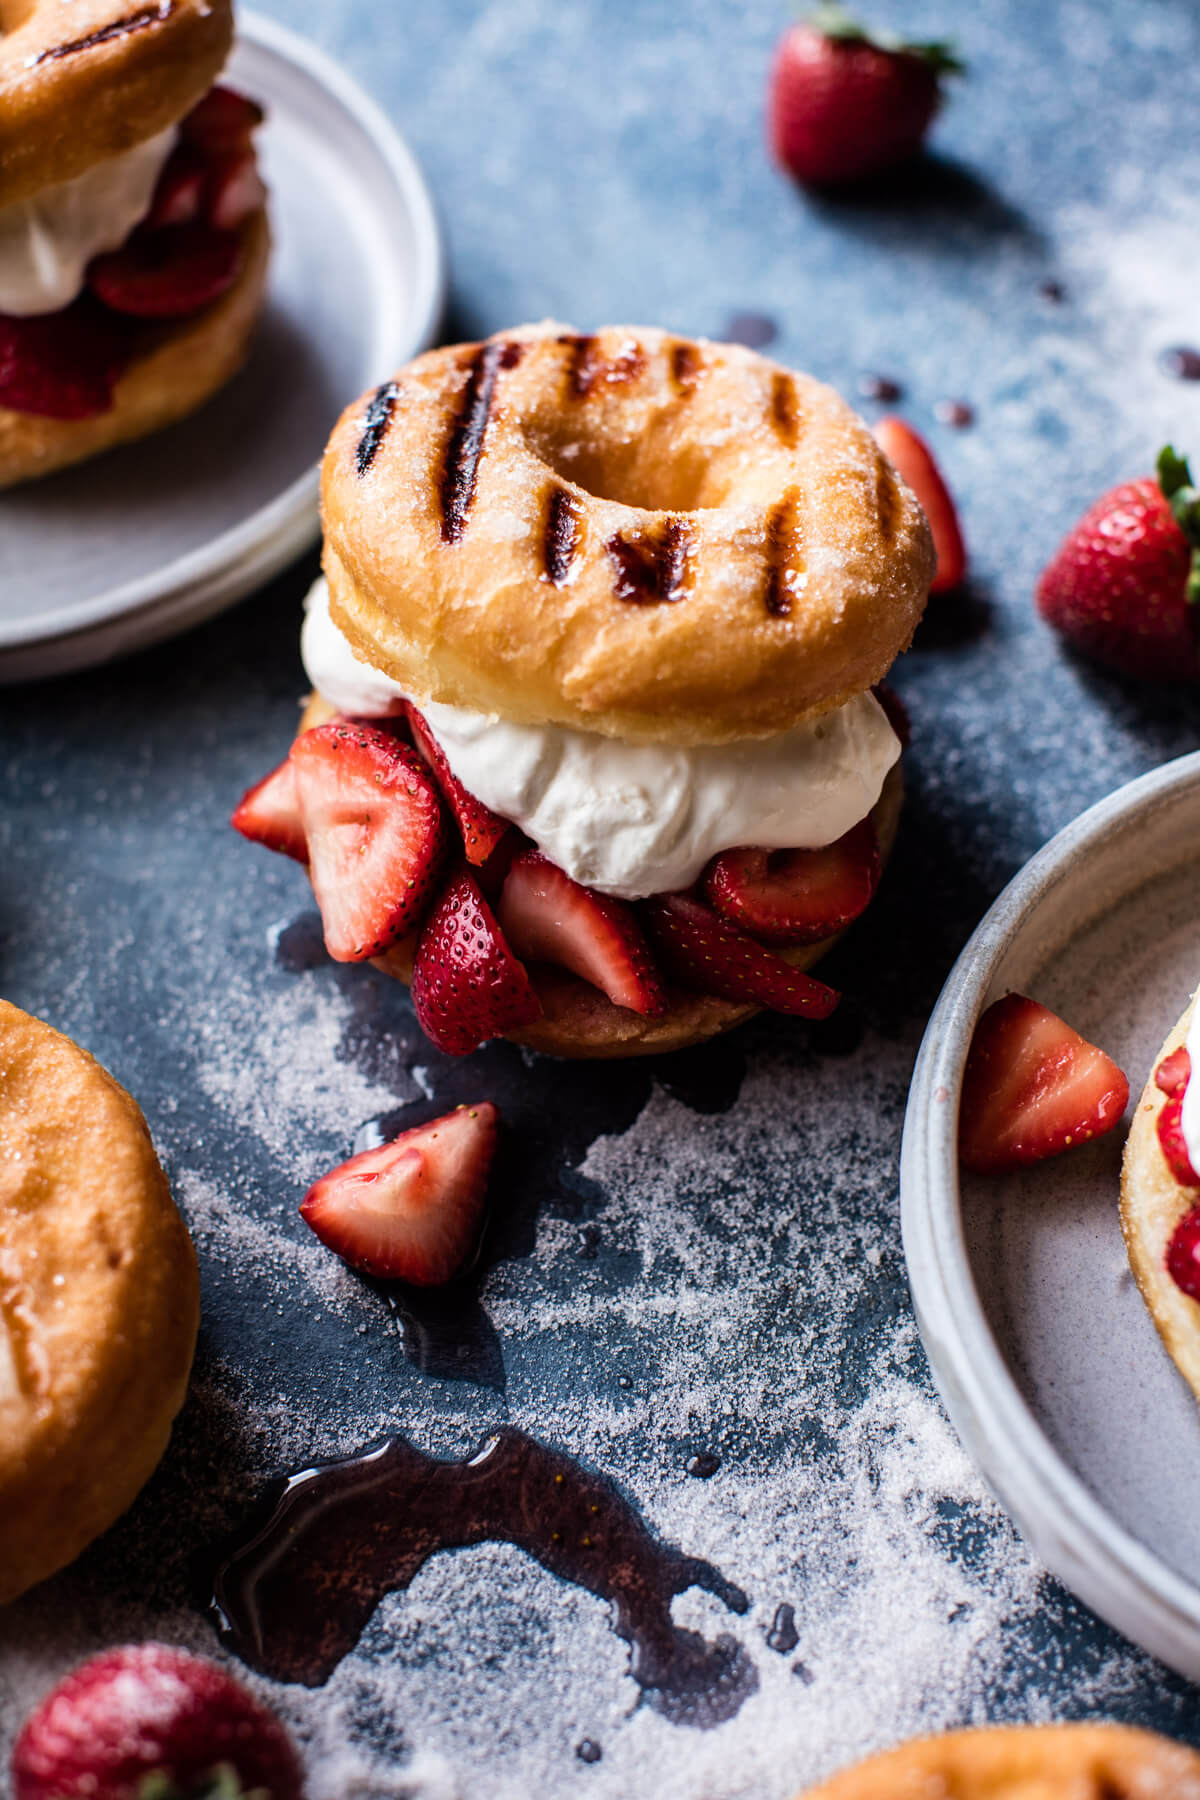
{"x":269,"y":813}
{"x":410,"y":1210}
{"x":467,"y":986}
{"x":481,"y":828}
{"x":375,"y":832}
{"x":1033,"y":1088}
{"x":168,"y":272}
{"x":1183,"y":1254}
{"x":62,"y":365}
{"x":1174,"y":1071}
{"x":547,"y":917}
{"x":179,"y":195}
{"x":912,"y":456}
{"x":703,"y":951}
{"x":235,"y":189}
{"x":796,"y":896}
{"x":223,"y":120}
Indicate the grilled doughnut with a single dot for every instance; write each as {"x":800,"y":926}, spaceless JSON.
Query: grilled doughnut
{"x":651,"y":537}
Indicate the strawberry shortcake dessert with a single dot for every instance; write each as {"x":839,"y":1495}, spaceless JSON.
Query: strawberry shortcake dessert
{"x":133,"y":230}
{"x":594,"y":758}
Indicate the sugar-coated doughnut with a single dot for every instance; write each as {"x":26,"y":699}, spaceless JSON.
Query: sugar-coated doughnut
{"x":99,"y":1301}
{"x":652,"y":537}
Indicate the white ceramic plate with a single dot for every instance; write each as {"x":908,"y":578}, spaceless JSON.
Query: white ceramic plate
{"x":1039,"y":1342}
{"x":154,"y":537}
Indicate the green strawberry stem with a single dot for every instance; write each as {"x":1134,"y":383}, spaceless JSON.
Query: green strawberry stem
{"x":833,"y":21}
{"x":1175,"y":480}
{"x":220,"y":1783}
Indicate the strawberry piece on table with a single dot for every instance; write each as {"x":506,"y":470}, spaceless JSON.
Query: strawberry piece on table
{"x":547,"y":917}
{"x":467,"y":986}
{"x":234,"y":191}
{"x":911,"y":455}
{"x":1183,"y":1254}
{"x":705,"y":952}
{"x":481,"y":828}
{"x":845,"y":103}
{"x":410,"y":1210}
{"x":167,"y":273}
{"x":796,"y":896}
{"x":151,"y":1719}
{"x":224,"y":120}
{"x":1124,"y":586}
{"x":1033,"y":1088}
{"x":180,"y":194}
{"x":375,"y":834}
{"x":269,"y":813}
{"x":62,"y":365}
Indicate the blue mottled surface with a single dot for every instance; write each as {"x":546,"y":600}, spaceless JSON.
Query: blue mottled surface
{"x":747,"y":1291}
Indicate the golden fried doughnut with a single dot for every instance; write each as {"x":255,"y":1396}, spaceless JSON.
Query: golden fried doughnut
{"x":82,"y":80}
{"x":99,"y":1301}
{"x":1152,"y":1204}
{"x":651,"y":537}
{"x":186,"y":361}
{"x":1025,"y":1762}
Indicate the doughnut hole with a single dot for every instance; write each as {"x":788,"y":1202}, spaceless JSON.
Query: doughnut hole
{"x":654,"y":469}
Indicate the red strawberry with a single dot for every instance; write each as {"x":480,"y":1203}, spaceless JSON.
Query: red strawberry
{"x":844,"y":103}
{"x":1174,"y":1071}
{"x":1125,"y":582}
{"x":151,"y":1717}
{"x":796,"y":896}
{"x":269,"y":813}
{"x":1033,"y":1088}
{"x":375,"y":833}
{"x":1183,"y":1254}
{"x":235,"y":190}
{"x":481,"y":828}
{"x":167,"y":273}
{"x":222,"y":121}
{"x":410,"y":1210}
{"x":1174,"y":1144}
{"x":467,"y":986}
{"x":547,"y":917}
{"x":705,"y":952}
{"x":913,"y":458}
{"x":62,"y":365}
{"x":179,"y":195}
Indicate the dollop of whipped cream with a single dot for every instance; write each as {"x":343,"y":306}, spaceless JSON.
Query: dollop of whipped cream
{"x":634,"y":819}
{"x":1190,"y":1117}
{"x":48,"y":240}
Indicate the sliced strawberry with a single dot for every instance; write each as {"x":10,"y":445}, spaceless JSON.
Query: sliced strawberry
{"x":796,"y":896}
{"x":269,"y":813}
{"x":1033,"y":1088}
{"x":167,"y":273}
{"x":62,"y":365}
{"x":182,"y":186}
{"x":1174,"y":1144}
{"x":547,"y":917}
{"x":481,"y":828}
{"x":235,"y":190}
{"x":223,"y":120}
{"x":410,"y":1210}
{"x":467,"y":986}
{"x":1183,"y":1254}
{"x":705,"y":952}
{"x":1173,"y":1071}
{"x":912,"y":456}
{"x":375,"y":834}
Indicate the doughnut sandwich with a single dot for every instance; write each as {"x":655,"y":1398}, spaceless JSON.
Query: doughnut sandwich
{"x":604,"y":613}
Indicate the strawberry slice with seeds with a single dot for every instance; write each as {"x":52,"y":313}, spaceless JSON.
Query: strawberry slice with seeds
{"x":235,"y":190}
{"x":703,"y":951}
{"x":180,"y":194}
{"x":1183,"y":1254}
{"x":547,"y":917}
{"x":269,"y":813}
{"x":467,"y":986}
{"x":1173,"y":1143}
{"x":412,"y":1209}
{"x":375,"y":833}
{"x":1174,"y":1071}
{"x":1033,"y":1088}
{"x":224,"y":120}
{"x":169,"y":272}
{"x":913,"y":458}
{"x":796,"y":896}
{"x":62,"y":365}
{"x":481,"y":828}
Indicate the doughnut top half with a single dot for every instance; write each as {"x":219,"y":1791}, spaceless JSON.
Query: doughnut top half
{"x":651,"y":537}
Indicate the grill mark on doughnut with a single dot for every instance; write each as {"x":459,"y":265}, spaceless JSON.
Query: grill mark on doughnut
{"x":785,"y":554}
{"x":564,"y":533}
{"x":686,"y":367}
{"x":138,"y":21}
{"x":785,"y":409}
{"x":887,"y":501}
{"x":375,"y":424}
{"x":587,"y":366}
{"x":652,"y":567}
{"x":464,"y":447}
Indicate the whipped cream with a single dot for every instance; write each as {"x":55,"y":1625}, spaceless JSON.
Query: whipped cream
{"x":48,"y":240}
{"x":634,"y":819}
{"x":1190,"y":1117}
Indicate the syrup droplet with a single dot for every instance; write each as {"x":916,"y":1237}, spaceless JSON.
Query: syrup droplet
{"x":589,"y":1242}
{"x":804,"y":1673}
{"x":880,"y":387}
{"x":783,"y":1635}
{"x":624,"y":1381}
{"x":754,"y":330}
{"x":954,"y":412}
{"x":1182,"y":362}
{"x":588,"y":1751}
{"x":295,"y":1590}
{"x":704,"y":1465}
{"x":1054,"y":291}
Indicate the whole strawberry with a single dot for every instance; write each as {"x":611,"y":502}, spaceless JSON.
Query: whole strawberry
{"x":1125,"y":583}
{"x":845,"y":103}
{"x":151,"y":1723}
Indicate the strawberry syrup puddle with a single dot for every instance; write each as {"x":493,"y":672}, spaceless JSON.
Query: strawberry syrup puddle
{"x":295,"y":1591}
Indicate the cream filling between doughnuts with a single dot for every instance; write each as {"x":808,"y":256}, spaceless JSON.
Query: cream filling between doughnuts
{"x":634,"y":819}
{"x":48,"y":240}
